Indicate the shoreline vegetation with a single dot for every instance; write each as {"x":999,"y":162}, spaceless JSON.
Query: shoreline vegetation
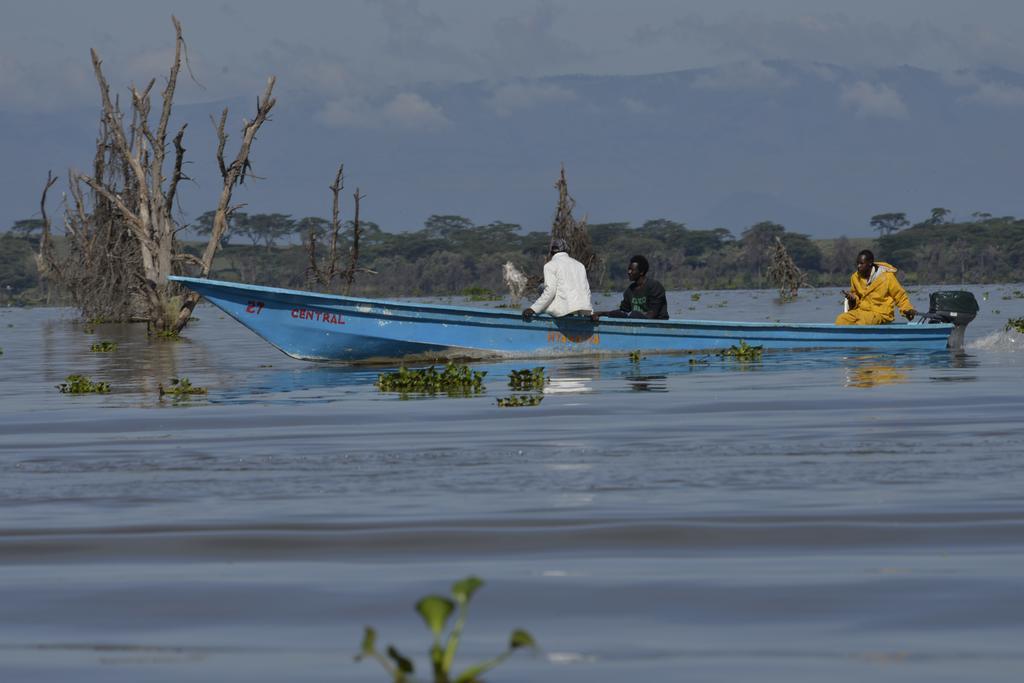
{"x":453,"y":256}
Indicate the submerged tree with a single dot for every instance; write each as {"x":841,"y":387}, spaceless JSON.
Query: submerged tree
{"x":574,"y":232}
{"x":783,"y":271}
{"x":323,"y":271}
{"x":120,"y":224}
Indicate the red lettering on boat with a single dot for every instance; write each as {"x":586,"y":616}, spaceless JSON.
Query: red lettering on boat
{"x":318,"y":316}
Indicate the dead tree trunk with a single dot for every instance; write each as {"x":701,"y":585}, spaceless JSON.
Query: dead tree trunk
{"x":349,"y":274}
{"x":574,"y":232}
{"x":783,"y":272}
{"x":324,"y":274}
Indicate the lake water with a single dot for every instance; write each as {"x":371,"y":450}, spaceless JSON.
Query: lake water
{"x":812,"y":516}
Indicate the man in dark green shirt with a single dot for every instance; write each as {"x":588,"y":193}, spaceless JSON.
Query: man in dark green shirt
{"x":644,"y":298}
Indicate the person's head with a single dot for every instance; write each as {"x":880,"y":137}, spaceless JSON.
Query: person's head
{"x":559,"y":245}
{"x":865,"y":261}
{"x":638,"y":267}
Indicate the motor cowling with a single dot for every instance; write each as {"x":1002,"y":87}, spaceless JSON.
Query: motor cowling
{"x":953,"y":306}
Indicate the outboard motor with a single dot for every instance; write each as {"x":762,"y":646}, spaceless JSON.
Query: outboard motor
{"x":954,"y":306}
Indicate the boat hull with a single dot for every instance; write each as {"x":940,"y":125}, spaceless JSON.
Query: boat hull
{"x":314,"y":326}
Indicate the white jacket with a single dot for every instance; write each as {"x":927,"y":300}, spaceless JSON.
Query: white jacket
{"x":566,"y":289}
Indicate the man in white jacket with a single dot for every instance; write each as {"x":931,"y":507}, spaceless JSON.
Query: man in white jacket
{"x":566,"y":289}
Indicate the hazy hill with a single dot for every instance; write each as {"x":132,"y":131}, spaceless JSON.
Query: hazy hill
{"x":819,"y":148}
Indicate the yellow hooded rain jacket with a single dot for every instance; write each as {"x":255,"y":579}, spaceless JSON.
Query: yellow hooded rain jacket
{"x":876,"y":297}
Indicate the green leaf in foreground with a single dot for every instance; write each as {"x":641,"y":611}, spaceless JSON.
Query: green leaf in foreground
{"x":435,"y":611}
{"x":463,"y":590}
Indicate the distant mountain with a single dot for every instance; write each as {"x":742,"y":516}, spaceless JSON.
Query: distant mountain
{"x":817,"y":147}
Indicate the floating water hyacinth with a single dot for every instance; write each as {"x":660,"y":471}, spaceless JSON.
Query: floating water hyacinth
{"x":520,"y":401}
{"x":104,"y":347}
{"x":527,"y":380}
{"x":634,"y":356}
{"x":80,"y":384}
{"x":181,"y":388}
{"x":453,"y":379}
{"x":1015,"y":325}
{"x":435,"y":611}
{"x":742,"y":352}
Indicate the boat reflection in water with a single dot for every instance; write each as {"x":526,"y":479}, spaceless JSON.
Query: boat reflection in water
{"x":873,"y":375}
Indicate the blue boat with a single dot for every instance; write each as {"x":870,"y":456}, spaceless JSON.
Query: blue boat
{"x":329,"y":327}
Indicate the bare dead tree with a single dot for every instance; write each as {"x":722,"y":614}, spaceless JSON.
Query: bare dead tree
{"x":325,"y":274}
{"x":232,"y":174}
{"x":46,"y":258}
{"x":574,"y":232}
{"x":783,"y":271}
{"x":349,"y":274}
{"x":95,"y":264}
{"x":119,"y":223}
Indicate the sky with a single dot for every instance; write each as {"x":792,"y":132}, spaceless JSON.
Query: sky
{"x":365,"y":69}
{"x":348,"y":50}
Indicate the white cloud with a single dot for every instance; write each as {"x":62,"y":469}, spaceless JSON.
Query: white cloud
{"x":742,"y":76}
{"x":873,"y":100}
{"x":409,"y":110}
{"x":518,"y":96}
{"x":404,"y":110}
{"x":635,"y":106}
{"x":345,"y":112}
{"x":997,"y":95}
{"x":823,"y":72}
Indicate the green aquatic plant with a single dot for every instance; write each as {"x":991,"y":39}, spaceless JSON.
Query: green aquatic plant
{"x":528,"y":379}
{"x":80,"y":384}
{"x":436,"y":611}
{"x":480,"y":294}
{"x":181,"y":388}
{"x":699,"y":361}
{"x":104,"y":347}
{"x":166,"y":335}
{"x":695,"y":296}
{"x":520,"y":401}
{"x":454,"y":379}
{"x":743,"y":352}
{"x":1015,"y":325}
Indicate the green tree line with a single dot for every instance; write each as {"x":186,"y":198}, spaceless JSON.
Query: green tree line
{"x":452,"y":254}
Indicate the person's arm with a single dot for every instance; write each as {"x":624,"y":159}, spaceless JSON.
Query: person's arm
{"x":546,"y":296}
{"x":850,"y":296}
{"x":626,"y":306}
{"x":899,"y":295}
{"x":621,"y":312}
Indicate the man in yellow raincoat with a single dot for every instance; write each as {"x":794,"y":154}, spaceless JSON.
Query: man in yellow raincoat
{"x":874,"y":292}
